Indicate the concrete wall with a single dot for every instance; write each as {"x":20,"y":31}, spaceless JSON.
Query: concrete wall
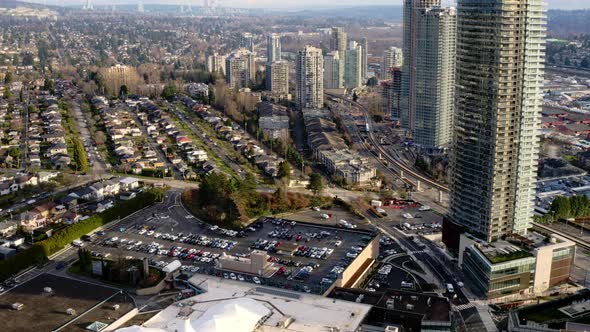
{"x":549,"y":273}
{"x":124,"y":319}
{"x":257,"y":264}
{"x":370,"y":252}
{"x":152,"y":290}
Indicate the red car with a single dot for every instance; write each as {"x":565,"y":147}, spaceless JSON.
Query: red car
{"x":190,"y":256}
{"x":298,"y":238}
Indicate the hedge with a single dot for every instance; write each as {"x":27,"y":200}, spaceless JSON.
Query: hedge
{"x":39,"y":252}
{"x":24,"y":259}
{"x":66,"y":235}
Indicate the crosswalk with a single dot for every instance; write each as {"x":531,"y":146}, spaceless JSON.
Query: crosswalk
{"x":417,"y":252}
{"x":466,"y":306}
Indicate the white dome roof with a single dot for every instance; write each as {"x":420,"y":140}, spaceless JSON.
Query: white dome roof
{"x":136,"y":328}
{"x":235,"y":315}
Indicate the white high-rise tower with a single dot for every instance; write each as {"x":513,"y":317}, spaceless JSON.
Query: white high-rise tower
{"x":310,"y":78}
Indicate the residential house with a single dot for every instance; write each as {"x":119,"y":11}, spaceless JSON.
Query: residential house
{"x":31,"y":221}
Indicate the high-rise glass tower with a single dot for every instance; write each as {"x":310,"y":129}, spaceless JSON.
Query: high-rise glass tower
{"x":338,"y":42}
{"x":353,"y":66}
{"x":428,"y":73}
{"x":500,"y":68}
{"x":333,"y":75}
{"x":310,"y":78}
{"x":273,"y":48}
{"x":364,"y":57}
{"x":248,"y":41}
{"x":392,"y":58}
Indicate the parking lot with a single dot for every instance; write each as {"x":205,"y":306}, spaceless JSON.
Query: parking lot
{"x":412,"y":219}
{"x":329,"y":217}
{"x":166,"y":233}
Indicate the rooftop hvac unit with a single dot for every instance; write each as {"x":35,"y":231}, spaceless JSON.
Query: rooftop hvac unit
{"x":48,"y":290}
{"x":390,"y":304}
{"x":409,"y":307}
{"x":17,"y":306}
{"x":71,"y":312}
{"x":414,"y":298}
{"x":116,"y":307}
{"x":285,"y":323}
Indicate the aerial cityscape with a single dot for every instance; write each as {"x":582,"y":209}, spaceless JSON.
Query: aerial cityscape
{"x":217,"y":166}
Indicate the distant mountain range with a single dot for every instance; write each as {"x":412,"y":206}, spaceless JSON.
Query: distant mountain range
{"x":561,"y":23}
{"x":11,"y":4}
{"x":388,"y":13}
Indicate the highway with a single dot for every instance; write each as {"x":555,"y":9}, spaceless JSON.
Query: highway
{"x":410,"y":176}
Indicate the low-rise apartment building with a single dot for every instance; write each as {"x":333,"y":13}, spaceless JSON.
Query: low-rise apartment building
{"x":530,"y":264}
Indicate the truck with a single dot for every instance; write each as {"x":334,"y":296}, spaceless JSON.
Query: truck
{"x":376,"y":203}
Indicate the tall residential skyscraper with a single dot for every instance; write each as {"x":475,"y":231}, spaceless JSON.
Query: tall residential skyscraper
{"x":500,"y":68}
{"x":391,"y":93}
{"x":428,"y":74}
{"x":248,"y":41}
{"x":354,"y":62}
{"x":88,"y":5}
{"x":277,"y":77}
{"x":364,"y":58}
{"x":392,"y":58}
{"x":338,"y":41}
{"x":333,"y":74}
{"x":410,"y":53}
{"x":273,"y":48}
{"x":240,"y":68}
{"x":216,"y":63}
{"x":310,"y":78}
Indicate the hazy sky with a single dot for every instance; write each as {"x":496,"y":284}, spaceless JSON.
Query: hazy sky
{"x":296,"y":4}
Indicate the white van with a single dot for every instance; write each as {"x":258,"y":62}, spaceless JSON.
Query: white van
{"x":450,"y":288}
{"x":77,"y":243}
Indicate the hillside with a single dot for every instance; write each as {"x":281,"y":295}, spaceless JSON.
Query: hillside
{"x":563,"y":23}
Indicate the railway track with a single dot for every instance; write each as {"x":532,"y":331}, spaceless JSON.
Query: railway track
{"x":408,"y":173}
{"x":581,"y":243}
